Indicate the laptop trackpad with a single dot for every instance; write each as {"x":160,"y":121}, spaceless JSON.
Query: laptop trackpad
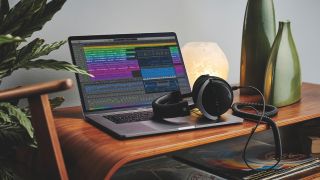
{"x":176,"y":120}
{"x":136,"y":128}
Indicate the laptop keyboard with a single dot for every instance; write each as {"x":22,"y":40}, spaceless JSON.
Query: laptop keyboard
{"x":130,"y":117}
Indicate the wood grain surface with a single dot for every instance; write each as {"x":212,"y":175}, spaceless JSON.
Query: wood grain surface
{"x":35,"y":89}
{"x":50,"y":162}
{"x":93,"y":154}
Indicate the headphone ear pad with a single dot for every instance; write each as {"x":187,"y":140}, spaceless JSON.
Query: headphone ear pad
{"x":216,"y":97}
{"x":197,"y":85}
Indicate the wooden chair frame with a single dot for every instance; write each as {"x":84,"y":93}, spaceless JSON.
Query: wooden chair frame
{"x":50,"y":162}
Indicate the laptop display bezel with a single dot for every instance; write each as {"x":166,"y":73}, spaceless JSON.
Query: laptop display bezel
{"x":113,"y":36}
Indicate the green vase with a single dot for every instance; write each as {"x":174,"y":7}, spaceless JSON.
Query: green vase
{"x":259,"y":31}
{"x":282,"y":85}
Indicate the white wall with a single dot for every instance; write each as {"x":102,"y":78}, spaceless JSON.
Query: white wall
{"x":193,"y":20}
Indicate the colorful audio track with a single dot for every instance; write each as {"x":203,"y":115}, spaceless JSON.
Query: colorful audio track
{"x":107,"y":63}
{"x":176,"y":59}
{"x":129,"y":72}
{"x":115,"y":62}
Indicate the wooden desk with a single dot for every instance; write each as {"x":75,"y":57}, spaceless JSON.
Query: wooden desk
{"x":93,"y":154}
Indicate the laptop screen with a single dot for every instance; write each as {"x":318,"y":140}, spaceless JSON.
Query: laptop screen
{"x":129,"y":70}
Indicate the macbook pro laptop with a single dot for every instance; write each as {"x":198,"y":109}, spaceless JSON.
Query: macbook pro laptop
{"x":130,"y":71}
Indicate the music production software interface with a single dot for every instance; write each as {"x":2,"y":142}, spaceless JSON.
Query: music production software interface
{"x":129,"y":72}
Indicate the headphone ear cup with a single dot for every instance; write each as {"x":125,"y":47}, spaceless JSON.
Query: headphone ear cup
{"x":197,"y":85}
{"x":216,"y":95}
{"x":216,"y":98}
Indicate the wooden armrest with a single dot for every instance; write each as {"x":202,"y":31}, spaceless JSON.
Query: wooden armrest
{"x":35,"y":89}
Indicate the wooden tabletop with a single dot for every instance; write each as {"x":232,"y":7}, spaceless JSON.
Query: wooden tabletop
{"x":93,"y":154}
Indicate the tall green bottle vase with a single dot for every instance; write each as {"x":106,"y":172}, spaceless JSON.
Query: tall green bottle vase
{"x":259,"y":31}
{"x":282,"y":84}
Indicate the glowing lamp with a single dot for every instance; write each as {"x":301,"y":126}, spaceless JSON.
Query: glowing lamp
{"x":204,"y":58}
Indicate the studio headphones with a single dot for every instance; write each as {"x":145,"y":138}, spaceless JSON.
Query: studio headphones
{"x":213,"y":96}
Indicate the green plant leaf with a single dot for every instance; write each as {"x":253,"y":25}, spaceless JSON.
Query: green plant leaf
{"x":37,"y":10}
{"x":17,"y":16}
{"x":38,"y":6}
{"x":43,"y":15}
{"x":27,"y":51}
{"x":55,"y":65}
{"x":4,"y":117}
{"x":6,"y":173}
{"x":18,"y":116}
{"x":6,"y":67}
{"x":8,"y":50}
{"x":47,"y":48}
{"x":36,"y":49}
{"x":56,"y":102}
{"x":9,"y":39}
{"x":20,"y":15}
{"x":12,"y":134}
{"x":4,"y":9}
{"x":32,"y":50}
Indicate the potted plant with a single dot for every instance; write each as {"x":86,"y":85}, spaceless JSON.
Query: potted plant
{"x":17,"y":24}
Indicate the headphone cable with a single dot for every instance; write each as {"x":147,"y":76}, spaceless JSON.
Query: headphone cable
{"x":262,"y":117}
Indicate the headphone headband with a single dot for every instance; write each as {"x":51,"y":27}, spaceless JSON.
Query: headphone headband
{"x":212,"y":95}
{"x":171,"y":105}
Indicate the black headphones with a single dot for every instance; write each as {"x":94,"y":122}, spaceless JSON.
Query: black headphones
{"x":213,"y":96}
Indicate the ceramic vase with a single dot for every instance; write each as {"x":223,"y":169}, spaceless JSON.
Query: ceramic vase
{"x":282,"y":85}
{"x":259,"y":31}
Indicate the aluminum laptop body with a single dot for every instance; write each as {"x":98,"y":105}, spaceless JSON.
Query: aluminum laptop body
{"x":130,"y":71}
